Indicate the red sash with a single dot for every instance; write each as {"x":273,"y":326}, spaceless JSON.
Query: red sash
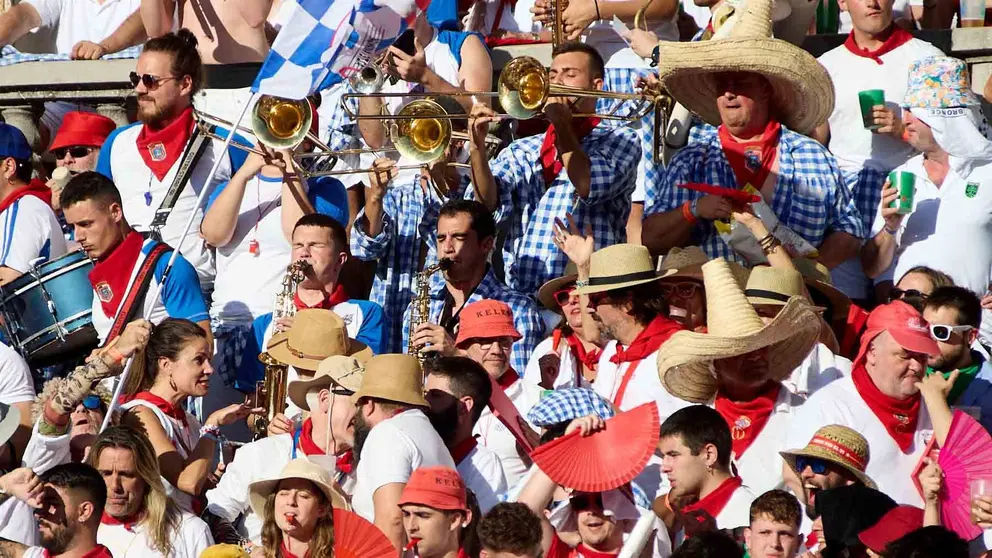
{"x":336,"y":297}
{"x":746,"y":418}
{"x":109,"y":276}
{"x":715,"y":501}
{"x":34,"y":188}
{"x":899,"y":416}
{"x":160,"y":149}
{"x":897,"y":37}
{"x":751,"y":160}
{"x":550,"y":161}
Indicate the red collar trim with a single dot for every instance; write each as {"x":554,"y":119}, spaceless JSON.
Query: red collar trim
{"x":337,"y":296}
{"x":287,"y":554}
{"x":34,"y":188}
{"x":897,"y":37}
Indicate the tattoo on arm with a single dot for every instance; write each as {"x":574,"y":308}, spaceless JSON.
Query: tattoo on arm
{"x":11,"y":549}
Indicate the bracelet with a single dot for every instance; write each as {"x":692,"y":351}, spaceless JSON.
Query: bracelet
{"x":115,"y":354}
{"x":769,"y":243}
{"x":687,"y":213}
{"x":211,"y":432}
{"x":596,"y":2}
{"x":580,"y":284}
{"x":890,"y":231}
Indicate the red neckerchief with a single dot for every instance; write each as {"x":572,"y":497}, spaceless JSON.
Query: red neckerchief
{"x":897,"y":37}
{"x":751,"y":160}
{"x":110,"y":276}
{"x":345,"y":462}
{"x":746,"y":418}
{"x":34,"y":188}
{"x":462,"y":449}
{"x":160,"y":149}
{"x":169,"y":409}
{"x":287,"y":554}
{"x":508,"y":378}
{"x":646,"y":342}
{"x":127,"y":522}
{"x":898,"y":416}
{"x":462,"y":553}
{"x":337,"y":296}
{"x":307,"y":444}
{"x":590,"y":359}
{"x":714,"y":502}
{"x":99,"y":551}
{"x":550,"y":161}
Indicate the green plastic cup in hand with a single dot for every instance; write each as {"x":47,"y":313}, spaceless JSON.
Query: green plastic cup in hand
{"x":869,"y":99}
{"x":905,"y":183}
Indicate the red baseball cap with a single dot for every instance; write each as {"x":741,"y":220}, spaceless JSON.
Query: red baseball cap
{"x":486,"y":319}
{"x":895,"y":524}
{"x":83,"y":128}
{"x":440,"y":488}
{"x":904,"y":323}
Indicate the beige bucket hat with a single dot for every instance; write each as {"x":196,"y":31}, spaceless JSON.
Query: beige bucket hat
{"x":839,"y":445}
{"x":316,"y":334}
{"x":299,"y":468}
{"x":803,"y":93}
{"x":734,"y":329}
{"x":620,"y":266}
{"x":338,"y":370}
{"x":393,"y":377}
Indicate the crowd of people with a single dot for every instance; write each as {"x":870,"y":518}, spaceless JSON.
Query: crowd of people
{"x":552,"y":339}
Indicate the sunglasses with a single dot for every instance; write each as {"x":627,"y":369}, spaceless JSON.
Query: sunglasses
{"x":505,"y":343}
{"x":148,"y":80}
{"x":77,"y":152}
{"x":684,"y":290}
{"x":92,"y":402}
{"x":595,"y":299}
{"x":818,"y":466}
{"x":586,"y":501}
{"x":943,"y":332}
{"x":564,"y":296}
{"x":898,"y":294}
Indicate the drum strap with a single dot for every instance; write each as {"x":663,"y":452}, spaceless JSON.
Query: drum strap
{"x":191,"y":156}
{"x":138,"y":290}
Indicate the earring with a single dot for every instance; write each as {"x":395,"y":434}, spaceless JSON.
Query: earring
{"x":172,"y":384}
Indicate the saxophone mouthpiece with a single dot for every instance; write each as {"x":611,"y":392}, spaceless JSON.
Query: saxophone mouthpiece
{"x":445,"y":264}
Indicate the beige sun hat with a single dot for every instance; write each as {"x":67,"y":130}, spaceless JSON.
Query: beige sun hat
{"x":688,"y":263}
{"x":773,"y":285}
{"x":546,"y":294}
{"x":299,"y":468}
{"x":734,"y":329}
{"x":316,"y":334}
{"x":393,"y":377}
{"x":803,"y":93}
{"x":339,"y":370}
{"x":839,"y":445}
{"x":620,"y":266}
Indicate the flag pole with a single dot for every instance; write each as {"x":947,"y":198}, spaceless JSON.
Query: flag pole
{"x":218,"y":159}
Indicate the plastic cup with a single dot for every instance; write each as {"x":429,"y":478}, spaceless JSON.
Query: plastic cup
{"x":972,"y":13}
{"x":905,"y":182}
{"x":869,"y":99}
{"x":981,"y":487}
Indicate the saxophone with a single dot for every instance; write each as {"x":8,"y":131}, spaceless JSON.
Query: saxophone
{"x":270,"y":392}
{"x":420,"y":311}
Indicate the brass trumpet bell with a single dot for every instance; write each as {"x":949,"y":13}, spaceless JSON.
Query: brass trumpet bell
{"x":420,"y":131}
{"x":281,"y":123}
{"x":523,"y":87}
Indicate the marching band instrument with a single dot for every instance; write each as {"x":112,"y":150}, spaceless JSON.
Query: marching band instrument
{"x":277,"y":123}
{"x":420,"y":311}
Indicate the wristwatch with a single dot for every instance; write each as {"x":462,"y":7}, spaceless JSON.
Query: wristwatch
{"x":654,"y":56}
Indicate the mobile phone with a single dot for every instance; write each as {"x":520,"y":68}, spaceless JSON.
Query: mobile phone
{"x":405,"y":42}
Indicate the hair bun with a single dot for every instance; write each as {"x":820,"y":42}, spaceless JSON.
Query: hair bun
{"x":187,"y":37}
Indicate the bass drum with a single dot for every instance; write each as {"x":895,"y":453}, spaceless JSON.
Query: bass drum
{"x":47,"y":311}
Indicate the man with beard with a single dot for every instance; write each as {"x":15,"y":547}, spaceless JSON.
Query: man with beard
{"x":144,"y":158}
{"x":393,"y":436}
{"x":326,"y":437}
{"x":458,"y":390}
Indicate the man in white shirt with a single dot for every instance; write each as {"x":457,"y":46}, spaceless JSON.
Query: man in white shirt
{"x":393,"y":436}
{"x":458,"y":389}
{"x":30,"y":231}
{"x":139,"y":517}
{"x":16,"y":390}
{"x":881,"y":399}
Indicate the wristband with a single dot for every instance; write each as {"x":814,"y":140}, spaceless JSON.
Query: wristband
{"x":115,"y":354}
{"x":211,"y":432}
{"x":687,"y":213}
{"x":890,"y":231}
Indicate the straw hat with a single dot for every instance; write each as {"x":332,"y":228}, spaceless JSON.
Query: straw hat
{"x":224,"y":551}
{"x":734,"y":329}
{"x":619,"y":266}
{"x":338,"y":370}
{"x":839,"y":445}
{"x":773,"y":285}
{"x":392,"y":377}
{"x":316,"y":334}
{"x":803,"y":94}
{"x":299,"y":468}
{"x":688,"y":263}
{"x":818,"y":281}
{"x":546,"y":294}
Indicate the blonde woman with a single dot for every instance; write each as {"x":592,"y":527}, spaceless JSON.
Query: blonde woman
{"x":298,"y":511}
{"x":139,"y":518}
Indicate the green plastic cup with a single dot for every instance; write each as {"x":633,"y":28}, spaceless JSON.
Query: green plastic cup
{"x":905,"y":182}
{"x":869,"y":99}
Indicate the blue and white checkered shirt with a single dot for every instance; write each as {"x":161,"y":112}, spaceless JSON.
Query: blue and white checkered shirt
{"x":530,"y":208}
{"x":866,"y":188}
{"x":526,"y":317}
{"x":409,"y":220}
{"x":810,"y":197}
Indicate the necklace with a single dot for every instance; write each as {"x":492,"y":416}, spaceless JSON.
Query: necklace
{"x":253,"y":246}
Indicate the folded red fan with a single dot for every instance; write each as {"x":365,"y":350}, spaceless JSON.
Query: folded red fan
{"x":732,"y":193}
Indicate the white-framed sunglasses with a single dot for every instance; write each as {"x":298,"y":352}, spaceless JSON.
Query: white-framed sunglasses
{"x":943,"y":332}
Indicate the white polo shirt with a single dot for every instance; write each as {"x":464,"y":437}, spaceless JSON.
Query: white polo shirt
{"x":190,"y":539}
{"x":761,"y":465}
{"x":29,"y":230}
{"x":820,"y":367}
{"x":890,"y":468}
{"x":482,"y":472}
{"x":16,"y":384}
{"x":393,"y":449}
{"x":497,"y":437}
{"x":82,"y":20}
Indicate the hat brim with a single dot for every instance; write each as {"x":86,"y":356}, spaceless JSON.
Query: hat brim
{"x":915,"y":343}
{"x":602,"y":288}
{"x":258,"y":491}
{"x":407,"y":398}
{"x":821,"y":453}
{"x":278,"y":348}
{"x":683,"y":361}
{"x":803,"y":91}
{"x":72,"y":139}
{"x":546,"y":294}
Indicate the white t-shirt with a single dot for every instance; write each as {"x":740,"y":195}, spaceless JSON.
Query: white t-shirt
{"x":192,"y":538}
{"x":497,"y":437}
{"x":393,"y":449}
{"x":482,"y":472}
{"x":82,"y":20}
{"x":761,"y":465}
{"x":819,"y":368}
{"x":29,"y":230}
{"x":16,"y":385}
{"x":737,"y":512}
{"x":18,"y":523}
{"x":890,"y":468}
{"x":644,"y":385}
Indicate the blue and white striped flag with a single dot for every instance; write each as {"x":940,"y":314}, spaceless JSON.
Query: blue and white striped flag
{"x":323,"y":42}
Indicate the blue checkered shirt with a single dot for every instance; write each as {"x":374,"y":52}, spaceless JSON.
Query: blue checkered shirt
{"x":409,"y":220}
{"x":567,"y":404}
{"x":343,"y":131}
{"x":526,"y":317}
{"x":810,"y":197}
{"x":529,"y":208}
{"x":866,"y":187}
{"x":623,"y":80}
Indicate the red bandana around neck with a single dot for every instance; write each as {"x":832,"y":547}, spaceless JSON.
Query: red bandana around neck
{"x":508,"y":378}
{"x":337,"y":296}
{"x":34,"y":188}
{"x":169,"y":409}
{"x":646,"y":342}
{"x":110,"y":276}
{"x":550,"y":161}
{"x":462,"y":449}
{"x":589,"y":359}
{"x":287,"y":554}
{"x":127,"y":522}
{"x":160,"y":149}
{"x":897,"y":37}
{"x":99,"y":551}
{"x":345,"y":462}
{"x":751,"y":160}
{"x":307,"y":444}
{"x":715,"y":501}
{"x":746,"y":418}
{"x":898,"y":416}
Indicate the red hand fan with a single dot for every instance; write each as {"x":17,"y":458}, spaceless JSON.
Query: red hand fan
{"x":734,"y":194}
{"x":966,"y":455}
{"x":356,"y":537}
{"x":606,"y":459}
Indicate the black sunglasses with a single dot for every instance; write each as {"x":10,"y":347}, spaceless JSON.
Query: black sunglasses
{"x":148,"y":80}
{"x":899,"y":294}
{"x":818,"y":466}
{"x":77,"y":152}
{"x":586,"y":501}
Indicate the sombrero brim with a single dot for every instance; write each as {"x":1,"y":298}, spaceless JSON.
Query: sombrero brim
{"x":278,"y":348}
{"x":803,"y":90}
{"x":546,"y":294}
{"x":600,"y":288}
{"x":683,"y":361}
{"x":820,"y":453}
